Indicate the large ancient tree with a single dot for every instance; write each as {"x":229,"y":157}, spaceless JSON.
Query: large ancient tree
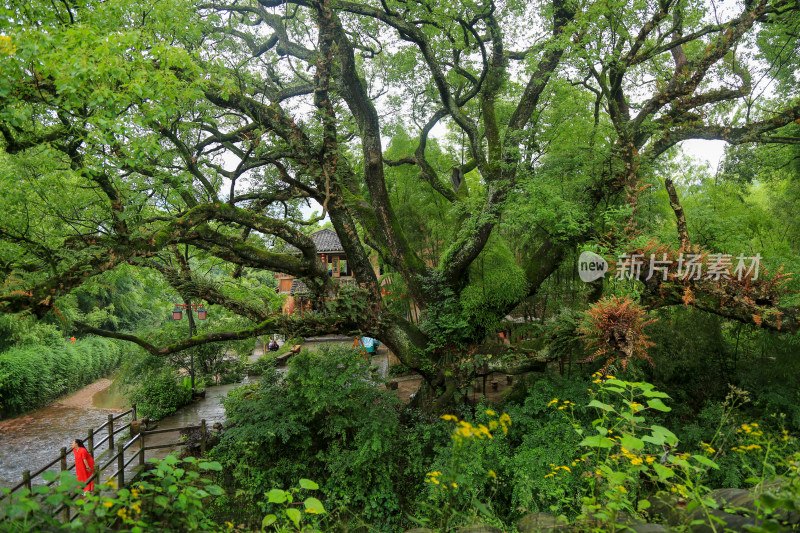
{"x":134,"y":127}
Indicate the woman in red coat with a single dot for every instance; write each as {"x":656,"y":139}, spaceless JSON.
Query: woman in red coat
{"x":84,"y":464}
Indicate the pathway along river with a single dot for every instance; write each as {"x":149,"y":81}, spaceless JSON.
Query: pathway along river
{"x":31,"y":441}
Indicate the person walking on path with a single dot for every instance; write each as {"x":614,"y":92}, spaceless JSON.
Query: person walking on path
{"x":84,"y":464}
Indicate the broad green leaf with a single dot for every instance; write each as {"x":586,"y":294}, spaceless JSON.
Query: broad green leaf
{"x":632,"y":443}
{"x":662,"y":471}
{"x":268,"y":520}
{"x":295,"y":516}
{"x":658,"y":405}
{"x":308,"y":484}
{"x":666,"y":436}
{"x":705,"y":461}
{"x":276,"y":496}
{"x":314,"y":506}
{"x":600,"y":405}
{"x":597,"y":441}
{"x":655,"y":394}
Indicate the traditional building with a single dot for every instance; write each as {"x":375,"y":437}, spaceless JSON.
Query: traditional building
{"x":331,"y":253}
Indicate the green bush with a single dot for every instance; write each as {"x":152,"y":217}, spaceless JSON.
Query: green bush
{"x":325,"y":421}
{"x":34,"y":374}
{"x":169,"y":497}
{"x":263,"y":365}
{"x":160,"y":395}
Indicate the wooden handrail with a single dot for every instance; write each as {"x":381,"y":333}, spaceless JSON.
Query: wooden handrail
{"x":157,"y":431}
{"x":28,"y":476}
{"x":118,"y":457}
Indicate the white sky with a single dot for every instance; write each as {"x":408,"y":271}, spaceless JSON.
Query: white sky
{"x":710,"y":152}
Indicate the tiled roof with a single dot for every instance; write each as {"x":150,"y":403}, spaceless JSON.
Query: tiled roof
{"x":298,"y":286}
{"x":325,"y":240}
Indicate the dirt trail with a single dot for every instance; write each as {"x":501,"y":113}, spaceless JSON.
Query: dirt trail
{"x":82,"y":399}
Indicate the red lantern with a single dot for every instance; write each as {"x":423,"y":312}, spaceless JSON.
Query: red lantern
{"x":202,"y":314}
{"x":177,"y":314}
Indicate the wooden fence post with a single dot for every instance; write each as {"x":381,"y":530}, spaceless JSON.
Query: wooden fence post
{"x":203,"y":435}
{"x":90,"y":440}
{"x":120,"y":466}
{"x":141,"y":448}
{"x":110,"y":433}
{"x":133,"y":412}
{"x":26,"y":479}
{"x":65,"y":512}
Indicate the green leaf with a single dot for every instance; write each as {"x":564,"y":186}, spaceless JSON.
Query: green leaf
{"x":662,"y":471}
{"x":295,"y":516}
{"x":705,"y":461}
{"x":662,"y":435}
{"x":268,"y":520}
{"x":597,"y":441}
{"x":308,"y":484}
{"x":643,"y":505}
{"x":658,"y":405}
{"x":632,"y":443}
{"x":276,"y":496}
{"x":314,"y":506}
{"x":658,"y":440}
{"x":212,"y":465}
{"x":601,"y":405}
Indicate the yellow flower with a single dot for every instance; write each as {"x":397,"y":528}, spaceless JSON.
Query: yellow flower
{"x":108,"y":504}
{"x":137,"y":507}
{"x":636,"y":461}
{"x":6,"y":46}
{"x":492,"y":474}
{"x":621,"y":488}
{"x":490,"y":412}
{"x":450,"y":418}
{"x":311,"y":510}
{"x":229,"y":524}
{"x":454,"y":485}
{"x":554,"y":400}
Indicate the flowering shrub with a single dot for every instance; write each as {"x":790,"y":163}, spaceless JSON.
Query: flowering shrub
{"x":290,"y":518}
{"x":629,"y":458}
{"x":171,"y":496}
{"x":454,"y":495}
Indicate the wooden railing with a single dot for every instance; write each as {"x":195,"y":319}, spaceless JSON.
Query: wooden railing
{"x":116,"y":456}
{"x":91,"y":446}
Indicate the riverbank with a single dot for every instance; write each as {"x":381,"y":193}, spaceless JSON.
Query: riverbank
{"x":31,"y":440}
